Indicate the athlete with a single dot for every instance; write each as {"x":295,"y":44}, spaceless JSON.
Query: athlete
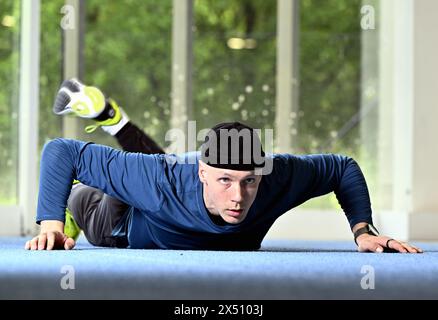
{"x":225,"y":197}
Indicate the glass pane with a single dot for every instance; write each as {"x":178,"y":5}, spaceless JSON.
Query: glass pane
{"x":330,"y":87}
{"x":234,"y":62}
{"x":9,"y":66}
{"x":128,"y":55}
{"x":329,"y":76}
{"x":50,"y":69}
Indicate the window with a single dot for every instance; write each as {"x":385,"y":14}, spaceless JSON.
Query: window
{"x":50,"y":69}
{"x":128,"y":55}
{"x":330,"y":86}
{"x":234,"y":62}
{"x":9,"y":66}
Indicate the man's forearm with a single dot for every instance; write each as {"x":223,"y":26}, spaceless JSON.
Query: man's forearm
{"x":353,"y":196}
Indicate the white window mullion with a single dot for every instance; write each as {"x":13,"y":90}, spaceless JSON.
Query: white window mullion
{"x":182,"y":57}
{"x":287,"y":74}
{"x":73,"y":42}
{"x":28,"y":113}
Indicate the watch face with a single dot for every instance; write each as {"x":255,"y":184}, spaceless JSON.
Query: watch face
{"x":373,"y":229}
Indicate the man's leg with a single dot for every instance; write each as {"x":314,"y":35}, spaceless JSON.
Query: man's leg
{"x":89,"y":102}
{"x":132,"y":139}
{"x":97,"y":213}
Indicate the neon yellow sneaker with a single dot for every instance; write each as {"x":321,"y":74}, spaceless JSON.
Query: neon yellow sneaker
{"x":115,"y":118}
{"x":86,"y":102}
{"x":71,"y":228}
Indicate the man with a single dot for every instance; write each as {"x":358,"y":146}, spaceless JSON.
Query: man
{"x":219,"y":199}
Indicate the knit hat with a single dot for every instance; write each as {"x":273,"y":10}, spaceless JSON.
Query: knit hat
{"x":234,"y":146}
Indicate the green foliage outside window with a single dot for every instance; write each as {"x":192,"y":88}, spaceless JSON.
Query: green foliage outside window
{"x":127,"y":53}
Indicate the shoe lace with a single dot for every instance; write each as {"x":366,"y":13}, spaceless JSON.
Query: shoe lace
{"x":91,"y":128}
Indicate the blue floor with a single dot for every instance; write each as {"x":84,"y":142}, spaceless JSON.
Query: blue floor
{"x":280,"y":270}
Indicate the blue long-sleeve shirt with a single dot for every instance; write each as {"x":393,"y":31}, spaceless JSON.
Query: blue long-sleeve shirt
{"x":166,"y":196}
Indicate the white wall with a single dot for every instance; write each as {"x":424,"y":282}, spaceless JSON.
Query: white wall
{"x":10,"y":222}
{"x":425,"y":128}
{"x":408,"y":95}
{"x":306,"y":224}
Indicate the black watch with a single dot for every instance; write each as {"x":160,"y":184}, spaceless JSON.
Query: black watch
{"x":369,"y":228}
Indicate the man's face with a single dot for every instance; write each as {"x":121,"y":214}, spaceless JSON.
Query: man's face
{"x":228,"y":193}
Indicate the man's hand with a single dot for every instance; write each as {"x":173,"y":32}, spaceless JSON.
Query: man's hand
{"x":367,"y":242}
{"x":51,"y":237}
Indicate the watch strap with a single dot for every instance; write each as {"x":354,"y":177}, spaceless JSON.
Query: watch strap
{"x":360,"y":231}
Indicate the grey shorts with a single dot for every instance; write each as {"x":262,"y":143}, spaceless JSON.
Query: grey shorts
{"x":97,"y":213}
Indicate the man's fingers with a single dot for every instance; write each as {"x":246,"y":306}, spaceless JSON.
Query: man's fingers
{"x":408,"y":248}
{"x":395,"y":245}
{"x":401,"y":246}
{"x":378,"y":249}
{"x":398,"y":246}
{"x":50,"y":241}
{"x":419,"y":250}
{"x":370,"y":246}
{"x":42,"y":241}
{"x":69,"y":244}
{"x":374,"y":248}
{"x":411,"y":249}
{"x":34,"y":244}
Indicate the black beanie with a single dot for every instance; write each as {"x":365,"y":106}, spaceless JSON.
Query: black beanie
{"x":234,"y":146}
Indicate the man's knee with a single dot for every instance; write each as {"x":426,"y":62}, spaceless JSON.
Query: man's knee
{"x":82,"y":203}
